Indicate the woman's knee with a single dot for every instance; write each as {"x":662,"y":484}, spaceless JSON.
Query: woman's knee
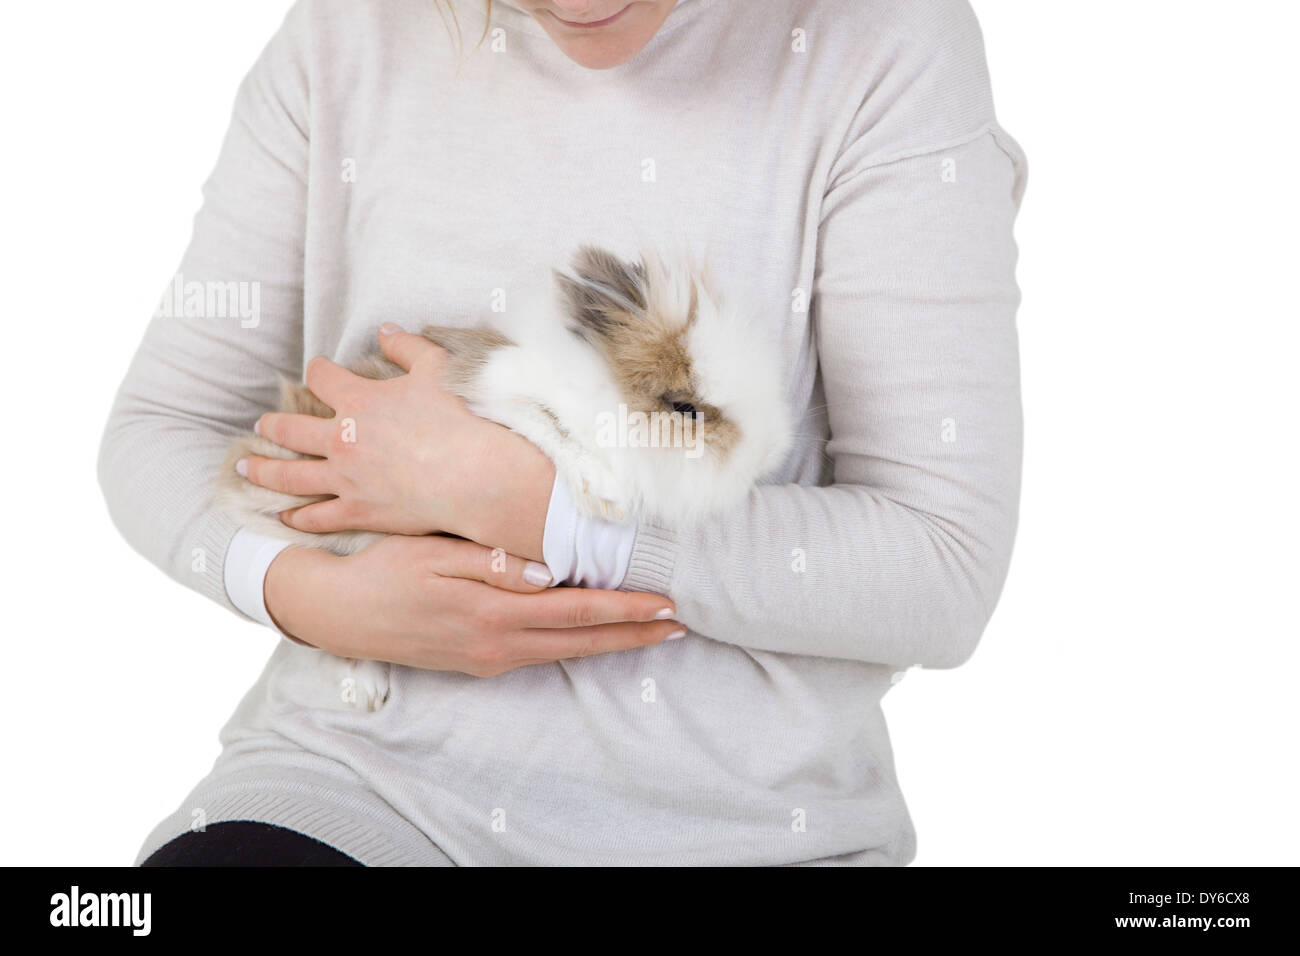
{"x":247,"y":843}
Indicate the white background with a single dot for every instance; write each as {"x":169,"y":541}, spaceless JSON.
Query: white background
{"x":1133,"y":699}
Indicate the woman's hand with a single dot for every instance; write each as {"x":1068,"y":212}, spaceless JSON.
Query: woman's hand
{"x":445,"y":604}
{"x":405,"y":456}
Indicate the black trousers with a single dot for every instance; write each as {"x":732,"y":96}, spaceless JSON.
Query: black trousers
{"x":247,"y":843}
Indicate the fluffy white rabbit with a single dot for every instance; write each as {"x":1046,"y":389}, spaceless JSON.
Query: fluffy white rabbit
{"x":654,"y":395}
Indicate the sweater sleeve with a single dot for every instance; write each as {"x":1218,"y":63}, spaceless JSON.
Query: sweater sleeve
{"x":229,"y":328}
{"x":901,"y":559}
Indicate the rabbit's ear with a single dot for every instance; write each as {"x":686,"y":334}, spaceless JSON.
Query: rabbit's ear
{"x":604,"y":294}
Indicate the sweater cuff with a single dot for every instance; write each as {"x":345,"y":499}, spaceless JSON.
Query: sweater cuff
{"x":208,"y":575}
{"x":654,"y":557}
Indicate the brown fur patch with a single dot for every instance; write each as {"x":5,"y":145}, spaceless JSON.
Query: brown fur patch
{"x":469,"y":350}
{"x":646,"y":352}
{"x":603,"y":294}
{"x":376,"y":366}
{"x":300,"y":400}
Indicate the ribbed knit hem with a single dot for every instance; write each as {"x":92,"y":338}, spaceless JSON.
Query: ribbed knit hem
{"x":365,"y":830}
{"x":654,"y":555}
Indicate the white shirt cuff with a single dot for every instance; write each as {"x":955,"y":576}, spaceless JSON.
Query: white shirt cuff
{"x":582,"y":550}
{"x":247,"y":559}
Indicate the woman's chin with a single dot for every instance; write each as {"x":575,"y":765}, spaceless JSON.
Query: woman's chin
{"x":599,"y":53}
{"x":606,"y":46}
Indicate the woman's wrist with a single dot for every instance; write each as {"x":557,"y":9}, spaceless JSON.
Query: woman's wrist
{"x":507,"y":491}
{"x":289,"y":590}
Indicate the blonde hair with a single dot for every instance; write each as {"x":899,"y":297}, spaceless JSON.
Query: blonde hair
{"x":450,"y":7}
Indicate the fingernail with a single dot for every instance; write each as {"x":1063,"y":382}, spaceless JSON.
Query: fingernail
{"x":675,"y":635}
{"x":388,"y":328}
{"x":241,"y":466}
{"x":257,"y":428}
{"x":536,"y":574}
{"x":664,"y":615}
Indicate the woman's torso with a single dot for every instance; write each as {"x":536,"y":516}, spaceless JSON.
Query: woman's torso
{"x":437,"y":185}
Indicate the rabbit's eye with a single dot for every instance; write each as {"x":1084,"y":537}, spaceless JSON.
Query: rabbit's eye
{"x":682,"y":408}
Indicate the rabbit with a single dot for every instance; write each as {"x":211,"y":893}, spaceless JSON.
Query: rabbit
{"x":653,"y":394}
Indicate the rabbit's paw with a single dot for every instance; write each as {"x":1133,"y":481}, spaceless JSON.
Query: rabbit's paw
{"x":363,"y":685}
{"x":596,"y":490}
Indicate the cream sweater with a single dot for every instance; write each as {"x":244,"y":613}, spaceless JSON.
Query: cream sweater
{"x":843,"y":160}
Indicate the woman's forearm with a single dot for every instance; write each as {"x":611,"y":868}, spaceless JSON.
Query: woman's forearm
{"x":836,"y":572}
{"x":212,"y":359}
{"x":902,"y":559}
{"x":292,"y":583}
{"x":439,"y":603}
{"x":507,"y":493}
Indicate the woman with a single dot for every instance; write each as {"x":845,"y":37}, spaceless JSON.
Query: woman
{"x":843,"y":162}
